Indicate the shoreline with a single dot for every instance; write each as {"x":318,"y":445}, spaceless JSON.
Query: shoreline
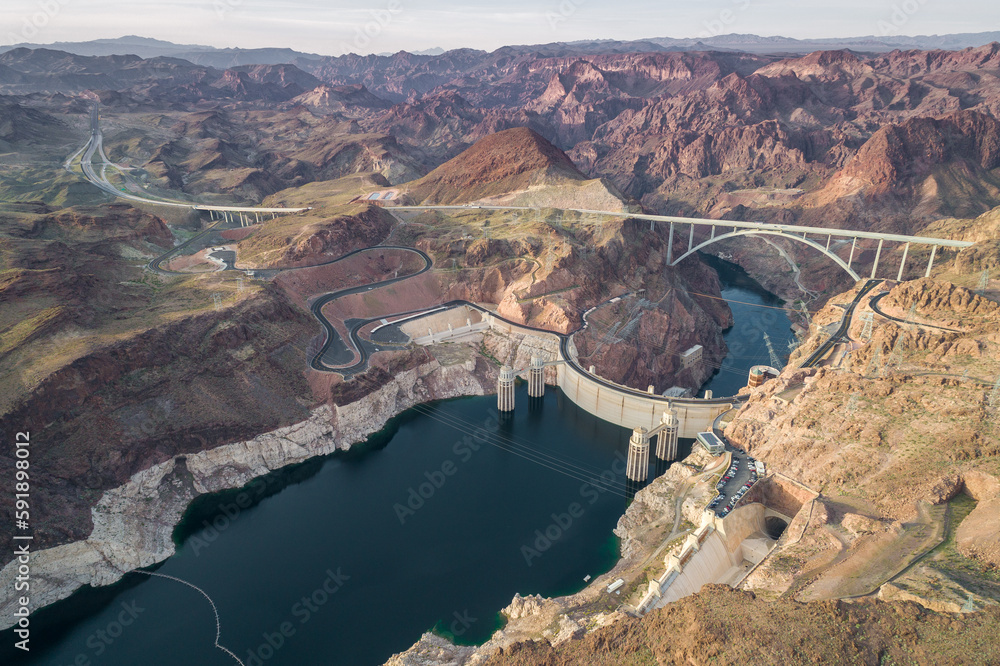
{"x":670,"y":499}
{"x":134,"y":523}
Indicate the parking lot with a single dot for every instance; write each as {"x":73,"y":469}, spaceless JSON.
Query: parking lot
{"x":739,"y":474}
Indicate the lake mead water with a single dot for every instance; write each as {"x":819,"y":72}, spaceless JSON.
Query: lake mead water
{"x":348,"y":559}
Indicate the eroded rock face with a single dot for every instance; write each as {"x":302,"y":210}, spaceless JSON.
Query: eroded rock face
{"x":657,"y":502}
{"x":978,"y":536}
{"x":933,"y":297}
{"x":432,"y":650}
{"x":130,"y":404}
{"x":523,"y":606}
{"x":857,"y":524}
{"x":338,"y":236}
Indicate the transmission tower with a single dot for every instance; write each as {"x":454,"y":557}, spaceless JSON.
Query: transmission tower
{"x":896,"y":357}
{"x":218,"y":301}
{"x":775,"y":361}
{"x":876,"y":362}
{"x":984,"y":281}
{"x":239,"y":285}
{"x":805,"y":313}
{"x":869,"y":320}
{"x":793,"y":344}
{"x":994,"y":401}
{"x":852,"y":404}
{"x":969,"y":606}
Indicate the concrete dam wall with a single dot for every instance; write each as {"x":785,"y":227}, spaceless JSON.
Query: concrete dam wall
{"x":630,"y":410}
{"x":722,"y":550}
{"x":619,"y":404}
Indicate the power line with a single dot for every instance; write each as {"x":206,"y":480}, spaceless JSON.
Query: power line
{"x":564,"y":465}
{"x":756,"y":305}
{"x":530,"y":448}
{"x":539,"y":459}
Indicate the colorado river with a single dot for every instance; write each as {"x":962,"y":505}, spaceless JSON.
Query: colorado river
{"x":755,"y":311}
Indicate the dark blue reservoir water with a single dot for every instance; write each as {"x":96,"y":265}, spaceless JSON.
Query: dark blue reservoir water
{"x":435,"y":523}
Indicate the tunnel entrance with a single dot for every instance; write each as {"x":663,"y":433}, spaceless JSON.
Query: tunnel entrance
{"x":775,"y":526}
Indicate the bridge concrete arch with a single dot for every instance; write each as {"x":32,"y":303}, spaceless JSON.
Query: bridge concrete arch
{"x":765,"y":232}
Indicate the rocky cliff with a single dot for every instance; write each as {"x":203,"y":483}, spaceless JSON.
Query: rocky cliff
{"x":133,"y":523}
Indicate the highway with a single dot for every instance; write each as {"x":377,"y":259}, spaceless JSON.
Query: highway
{"x":790,"y":229}
{"x":845,"y":325}
{"x":564,"y":339}
{"x":155,"y":264}
{"x":875,"y":308}
{"x":95,"y":144}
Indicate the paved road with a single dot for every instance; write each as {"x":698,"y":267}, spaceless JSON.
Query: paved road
{"x":156,"y":264}
{"x":730,"y":489}
{"x":96,"y":145}
{"x":227,"y":257}
{"x":361,"y":348}
{"x":875,"y":308}
{"x":333,"y":340}
{"x":841,"y":332}
{"x":760,"y":226}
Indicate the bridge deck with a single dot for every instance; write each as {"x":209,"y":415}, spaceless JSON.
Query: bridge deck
{"x":785,"y":228}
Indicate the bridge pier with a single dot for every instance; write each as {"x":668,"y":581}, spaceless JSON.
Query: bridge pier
{"x":670,"y":245}
{"x":930,"y":264}
{"x":536,"y":378}
{"x":637,"y":467}
{"x":505,"y":389}
{"x":666,"y":440}
{"x":854,"y":245}
{"x":902,"y":264}
{"x":878,"y":253}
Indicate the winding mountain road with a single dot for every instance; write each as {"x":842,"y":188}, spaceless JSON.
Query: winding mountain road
{"x":877,"y":310}
{"x":332,"y":336}
{"x":845,"y":325}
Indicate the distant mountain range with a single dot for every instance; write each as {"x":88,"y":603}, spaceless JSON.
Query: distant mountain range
{"x":233,"y":57}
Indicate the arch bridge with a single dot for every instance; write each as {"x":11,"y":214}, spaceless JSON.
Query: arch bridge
{"x":818,"y":238}
{"x":802,"y":235}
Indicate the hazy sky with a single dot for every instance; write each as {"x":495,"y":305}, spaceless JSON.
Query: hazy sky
{"x":365,"y":26}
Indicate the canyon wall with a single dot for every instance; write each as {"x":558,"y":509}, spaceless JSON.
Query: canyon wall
{"x":134,"y":523}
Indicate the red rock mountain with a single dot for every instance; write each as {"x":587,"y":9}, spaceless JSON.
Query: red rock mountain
{"x":704,"y":133}
{"x":503,"y":162}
